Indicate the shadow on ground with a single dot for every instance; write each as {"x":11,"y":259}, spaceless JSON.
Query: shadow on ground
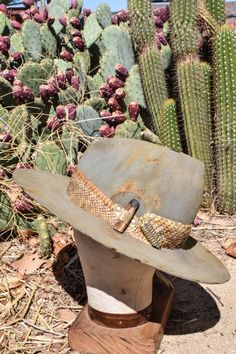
{"x":194,"y":309}
{"x":68,"y":272}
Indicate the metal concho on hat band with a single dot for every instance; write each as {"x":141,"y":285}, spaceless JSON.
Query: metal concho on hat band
{"x":149,"y":228}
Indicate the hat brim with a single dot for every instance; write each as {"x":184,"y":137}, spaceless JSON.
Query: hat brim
{"x":194,"y":262}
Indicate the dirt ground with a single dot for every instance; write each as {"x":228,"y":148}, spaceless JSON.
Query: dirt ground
{"x":38,"y":302}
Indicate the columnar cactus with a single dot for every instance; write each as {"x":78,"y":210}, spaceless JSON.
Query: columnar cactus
{"x":217,"y":9}
{"x":225,"y":112}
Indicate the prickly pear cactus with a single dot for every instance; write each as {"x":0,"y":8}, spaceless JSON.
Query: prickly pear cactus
{"x":6,"y":217}
{"x":103,"y":15}
{"x":32,"y":40}
{"x":50,"y":157}
{"x":32,"y":75}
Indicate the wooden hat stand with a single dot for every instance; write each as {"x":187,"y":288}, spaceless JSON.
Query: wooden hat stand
{"x":128,"y":303}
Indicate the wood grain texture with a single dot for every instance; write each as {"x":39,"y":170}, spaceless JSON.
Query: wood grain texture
{"x":87,"y":336}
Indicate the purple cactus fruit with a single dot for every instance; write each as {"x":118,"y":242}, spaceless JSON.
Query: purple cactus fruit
{"x":162,"y":12}
{"x":6,"y":41}
{"x":78,"y":42}
{"x":60,"y":112}
{"x":158,"y":22}
{"x":86,"y":12}
{"x":3,"y":48}
{"x":115,"y":83}
{"x":40,"y":17}
{"x":24,"y":165}
{"x":106,"y":131}
{"x":106,"y":116}
{"x":121,"y":71}
{"x":75,"y":32}
{"x":123,"y":16}
{"x":4,"y":9}
{"x":113,"y":104}
{"x":119,"y":94}
{"x":50,"y":20}
{"x":73,"y":4}
{"x":28,"y":3}
{"x":62,"y":20}
{"x":17,"y":56}
{"x":162,"y":38}
{"x":114,"y":20}
{"x":70,"y":170}
{"x":66,"y":55}
{"x":18,"y":92}
{"x":53,"y":124}
{"x":2,"y":173}
{"x":133,"y":109}
{"x":47,"y":91}
{"x":16,"y":25}
{"x":28,"y":94}
{"x":71,"y":111}
{"x":118,"y":117}
{"x":33,"y":10}
{"x":23,"y":205}
{"x":8,"y":75}
{"x":5,"y":137}
{"x":69,"y":74}
{"x":74,"y":21}
{"x":105,"y":91}
{"x":61,"y":81}
{"x":75,"y":82}
{"x":17,"y":82}
{"x":24,"y":15}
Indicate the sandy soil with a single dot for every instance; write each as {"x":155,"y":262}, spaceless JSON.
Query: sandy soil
{"x":36,"y":309}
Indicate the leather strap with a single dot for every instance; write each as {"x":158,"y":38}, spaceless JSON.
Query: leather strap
{"x":120,"y":320}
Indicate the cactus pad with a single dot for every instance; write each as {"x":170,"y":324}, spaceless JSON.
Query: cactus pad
{"x":133,"y":87}
{"x":92,"y":30}
{"x":16,"y":43}
{"x":49,"y":157}
{"x":103,"y":14}
{"x":49,"y":42}
{"x":32,"y":75}
{"x":32,"y":40}
{"x":2,"y":22}
{"x":18,"y":124}
{"x":88,"y":120}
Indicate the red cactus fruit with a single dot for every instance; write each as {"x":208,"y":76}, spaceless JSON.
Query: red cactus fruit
{"x":119,"y":94}
{"x":16,"y":25}
{"x":75,"y":22}
{"x":17,"y":82}
{"x":123,"y":16}
{"x":18,"y":92}
{"x":40,"y":17}
{"x":105,"y":91}
{"x":118,"y":117}
{"x":75,"y":82}
{"x":114,"y":20}
{"x":71,"y":110}
{"x":106,"y":116}
{"x":62,"y":20}
{"x":61,"y":81}
{"x":107,"y":131}
{"x":5,"y":137}
{"x":69,"y":74}
{"x":60,"y":112}
{"x":66,"y":55}
{"x":75,"y":32}
{"x":158,"y":22}
{"x":73,"y":4}
{"x":78,"y":42}
{"x":115,"y":83}
{"x":133,"y":109}
{"x":17,"y":56}
{"x":121,"y":71}
{"x":162,"y":13}
{"x":28,"y":94}
{"x":70,"y":170}
{"x":2,"y":173}
{"x":23,"y":205}
{"x":53,"y":124}
{"x":113,"y":104}
{"x":28,"y":3}
{"x":162,"y":38}
{"x":86,"y":12}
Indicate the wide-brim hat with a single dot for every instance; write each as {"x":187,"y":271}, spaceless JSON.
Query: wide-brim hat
{"x":166,"y":183}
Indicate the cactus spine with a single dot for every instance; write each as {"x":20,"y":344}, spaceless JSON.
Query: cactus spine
{"x":193,"y":83}
{"x":217,"y":9}
{"x":225,"y":112}
{"x":151,"y":69}
{"x":170,"y":131}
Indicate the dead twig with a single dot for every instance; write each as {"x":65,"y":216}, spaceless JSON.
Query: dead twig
{"x":43,"y":329}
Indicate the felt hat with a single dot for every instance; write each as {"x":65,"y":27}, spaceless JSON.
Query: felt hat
{"x":166,"y":183}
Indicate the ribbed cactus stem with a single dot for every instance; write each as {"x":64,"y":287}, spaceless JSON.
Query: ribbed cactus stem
{"x":184,"y":32}
{"x":142,"y":22}
{"x":170,"y":135}
{"x":153,"y":80}
{"x":217,"y":9}
{"x":224,"y":60}
{"x":207,"y":17}
{"x":194,"y":90}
